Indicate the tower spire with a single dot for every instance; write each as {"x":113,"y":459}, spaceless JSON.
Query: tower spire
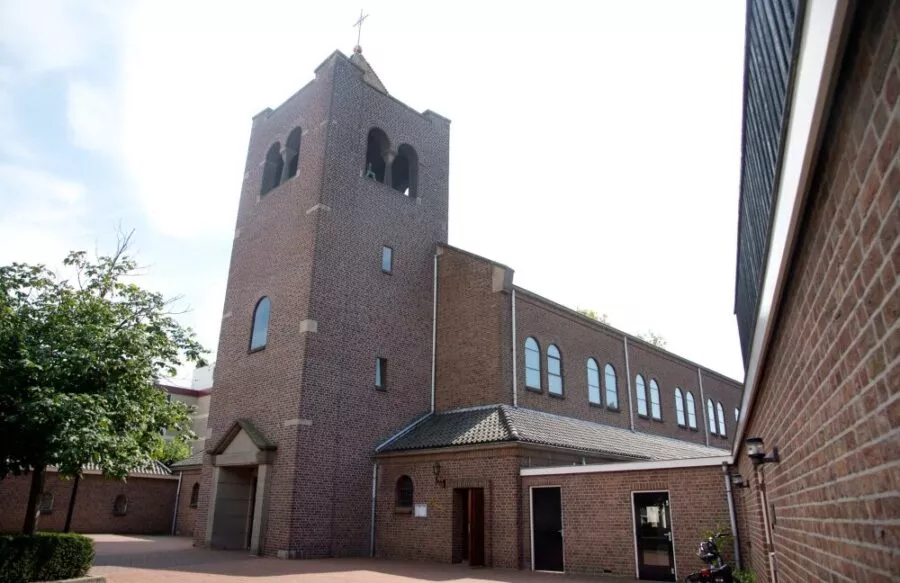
{"x":358,"y":26}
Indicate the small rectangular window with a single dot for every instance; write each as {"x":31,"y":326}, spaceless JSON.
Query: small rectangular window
{"x":387,"y":260}
{"x":380,"y":373}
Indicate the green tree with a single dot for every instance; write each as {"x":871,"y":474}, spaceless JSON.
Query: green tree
{"x":78,"y":359}
{"x":604,"y":317}
{"x":172,"y":450}
{"x":653,"y":338}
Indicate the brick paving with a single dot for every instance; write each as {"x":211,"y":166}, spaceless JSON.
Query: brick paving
{"x":146,"y":559}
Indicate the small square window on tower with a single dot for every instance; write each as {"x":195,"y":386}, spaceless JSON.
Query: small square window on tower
{"x":387,"y":260}
{"x":380,"y":373}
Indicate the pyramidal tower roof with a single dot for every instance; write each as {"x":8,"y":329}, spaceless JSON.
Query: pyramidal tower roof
{"x":368,"y":72}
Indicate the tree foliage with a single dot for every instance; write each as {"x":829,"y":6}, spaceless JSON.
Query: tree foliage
{"x":604,"y":317}
{"x":653,"y":338}
{"x":78,"y":359}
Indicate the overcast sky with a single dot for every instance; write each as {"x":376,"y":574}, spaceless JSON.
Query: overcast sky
{"x":595,"y":146}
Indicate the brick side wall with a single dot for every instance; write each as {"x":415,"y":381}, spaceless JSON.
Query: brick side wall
{"x":187,"y":516}
{"x":151,"y":502}
{"x":400,"y":535}
{"x":829,"y":395}
{"x":598,"y":524}
{"x":473,"y":328}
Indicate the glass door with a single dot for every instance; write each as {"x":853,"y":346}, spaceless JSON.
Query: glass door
{"x":653,"y":535}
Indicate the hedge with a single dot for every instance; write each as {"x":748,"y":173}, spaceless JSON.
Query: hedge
{"x":45,"y":556}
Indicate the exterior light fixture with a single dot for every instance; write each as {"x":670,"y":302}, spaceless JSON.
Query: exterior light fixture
{"x":436,"y":469}
{"x":756,"y":451}
{"x":737,"y":481}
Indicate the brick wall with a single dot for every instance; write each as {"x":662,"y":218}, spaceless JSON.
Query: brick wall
{"x":473,"y":329}
{"x":187,"y":515}
{"x":151,"y":502}
{"x":829,"y":396}
{"x":599,"y":527}
{"x":579,"y":338}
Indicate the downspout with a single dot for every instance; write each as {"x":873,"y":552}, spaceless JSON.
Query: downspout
{"x":515,"y":365}
{"x":735,"y":537}
{"x":628,"y":384}
{"x":372,"y":531}
{"x":177,"y":499}
{"x":433,"y":333}
{"x":703,"y":407}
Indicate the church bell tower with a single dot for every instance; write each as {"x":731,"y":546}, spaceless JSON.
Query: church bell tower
{"x":326,"y":340}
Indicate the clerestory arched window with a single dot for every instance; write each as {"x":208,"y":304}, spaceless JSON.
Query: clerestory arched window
{"x":655,"y":409}
{"x":710,"y":416}
{"x":554,"y":371}
{"x":679,"y":408}
{"x":532,"y":364}
{"x":720,"y":414}
{"x":691,"y":410}
{"x":612,"y":388}
{"x":593,"y":382}
{"x":641,"y":392}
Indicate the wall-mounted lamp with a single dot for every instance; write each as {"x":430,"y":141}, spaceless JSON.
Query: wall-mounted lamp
{"x":756,"y":451}
{"x":737,"y":481}
{"x":436,"y":469}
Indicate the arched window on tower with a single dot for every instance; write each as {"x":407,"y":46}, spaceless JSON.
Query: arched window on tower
{"x":404,"y":492}
{"x":195,"y":495}
{"x":260,"y":333}
{"x":272,"y":169}
{"x":292,"y":153}
{"x":377,"y":148}
{"x":641,"y":391}
{"x":691,"y":410}
{"x":405,"y":171}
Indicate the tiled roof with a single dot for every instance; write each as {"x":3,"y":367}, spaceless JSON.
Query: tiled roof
{"x":151,"y":469}
{"x":195,"y":459}
{"x":504,"y":423}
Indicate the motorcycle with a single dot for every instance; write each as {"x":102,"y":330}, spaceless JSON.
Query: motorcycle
{"x":716,"y":570}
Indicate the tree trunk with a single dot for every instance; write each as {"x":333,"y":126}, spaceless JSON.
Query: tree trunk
{"x":33,"y":510}
{"x":72,"y":504}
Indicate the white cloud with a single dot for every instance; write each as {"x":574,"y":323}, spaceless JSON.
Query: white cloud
{"x":92,"y":113}
{"x":44,"y":35}
{"x":42,"y":218}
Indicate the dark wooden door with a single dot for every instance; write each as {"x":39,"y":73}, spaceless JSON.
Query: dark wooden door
{"x":476,"y":527}
{"x":656,"y":559}
{"x":547,"y":535}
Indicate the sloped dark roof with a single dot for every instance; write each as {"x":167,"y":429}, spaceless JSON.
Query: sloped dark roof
{"x":368,"y":72}
{"x":504,"y":423}
{"x":255,"y":435}
{"x":195,"y":459}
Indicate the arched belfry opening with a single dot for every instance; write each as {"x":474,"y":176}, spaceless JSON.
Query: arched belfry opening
{"x":376,"y":155}
{"x":405,"y":171}
{"x":292,"y":153}
{"x":272,"y":169}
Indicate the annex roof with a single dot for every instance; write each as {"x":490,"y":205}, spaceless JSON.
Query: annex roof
{"x":508,"y":424}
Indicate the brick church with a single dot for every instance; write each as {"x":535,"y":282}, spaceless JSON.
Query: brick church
{"x":379,"y":391}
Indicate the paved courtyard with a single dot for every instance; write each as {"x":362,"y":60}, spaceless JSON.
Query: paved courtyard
{"x":145,"y":559}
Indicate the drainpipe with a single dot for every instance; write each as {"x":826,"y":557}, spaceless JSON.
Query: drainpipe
{"x":372,"y":531}
{"x":433,"y":334}
{"x":770,"y":548}
{"x":177,"y":497}
{"x":514,"y":363}
{"x":628,"y":384}
{"x":703,"y":407}
{"x":734,"y":530}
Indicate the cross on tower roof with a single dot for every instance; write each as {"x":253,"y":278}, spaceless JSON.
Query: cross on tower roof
{"x":358,"y":24}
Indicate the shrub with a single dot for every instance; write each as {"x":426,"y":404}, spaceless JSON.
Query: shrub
{"x":45,"y":556}
{"x":744,"y":576}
